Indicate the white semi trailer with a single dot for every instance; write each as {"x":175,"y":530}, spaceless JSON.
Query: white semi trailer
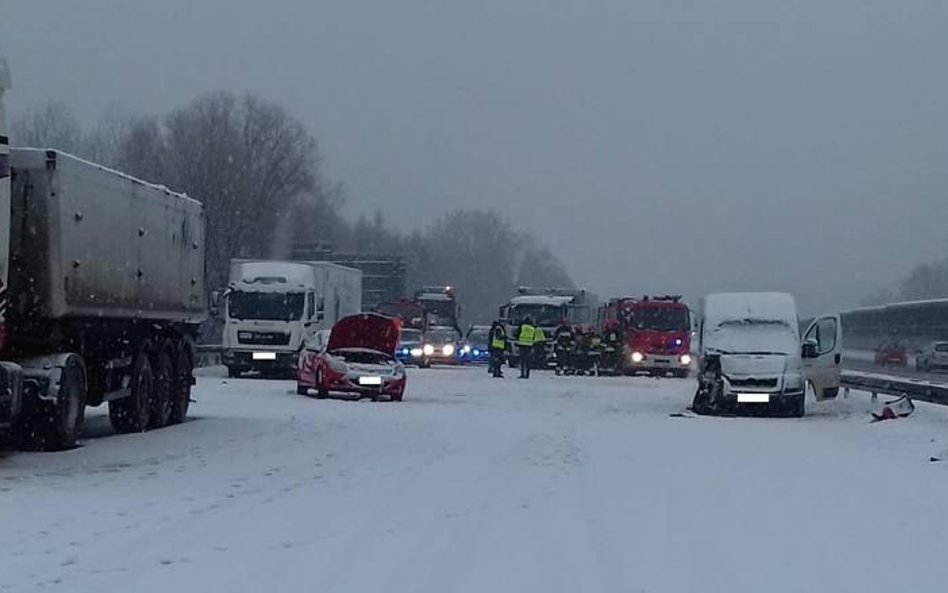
{"x":273,"y":308}
{"x":102,"y":295}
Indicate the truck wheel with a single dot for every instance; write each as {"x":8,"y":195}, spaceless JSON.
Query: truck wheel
{"x":57,"y":425}
{"x":131,"y":414}
{"x":163,"y":390}
{"x":184,"y":371}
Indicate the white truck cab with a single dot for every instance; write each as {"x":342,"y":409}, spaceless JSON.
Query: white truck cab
{"x":751,"y":354}
{"x":272,"y":309}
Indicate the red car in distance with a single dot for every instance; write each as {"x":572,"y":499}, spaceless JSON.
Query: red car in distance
{"x":892,"y":354}
{"x":358,"y":359}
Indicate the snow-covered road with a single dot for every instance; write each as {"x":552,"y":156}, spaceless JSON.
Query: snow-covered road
{"x":572,"y":484}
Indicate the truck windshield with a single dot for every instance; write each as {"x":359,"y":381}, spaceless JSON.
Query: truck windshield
{"x":542,"y":315}
{"x":656,"y":319}
{"x":267,"y":306}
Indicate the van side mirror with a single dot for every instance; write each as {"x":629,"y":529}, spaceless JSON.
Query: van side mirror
{"x":810,"y":349}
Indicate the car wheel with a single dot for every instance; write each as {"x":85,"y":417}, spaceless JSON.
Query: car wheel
{"x":321,"y":391}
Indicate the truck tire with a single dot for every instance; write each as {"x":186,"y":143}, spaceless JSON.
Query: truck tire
{"x":163,"y":390}
{"x":184,"y":370}
{"x":131,"y":414}
{"x":57,"y":425}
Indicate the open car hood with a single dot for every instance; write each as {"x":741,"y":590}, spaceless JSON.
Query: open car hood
{"x":370,"y":331}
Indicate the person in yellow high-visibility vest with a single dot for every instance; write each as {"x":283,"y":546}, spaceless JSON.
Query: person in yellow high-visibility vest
{"x":526,"y":338}
{"x":498,"y":347}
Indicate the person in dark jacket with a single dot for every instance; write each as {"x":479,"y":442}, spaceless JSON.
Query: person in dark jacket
{"x":563,"y":346}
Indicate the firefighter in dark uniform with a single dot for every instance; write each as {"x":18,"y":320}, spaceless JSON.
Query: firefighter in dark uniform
{"x":563,"y":345}
{"x":498,"y":347}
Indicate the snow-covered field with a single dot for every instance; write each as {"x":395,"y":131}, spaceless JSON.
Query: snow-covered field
{"x":548,"y":485}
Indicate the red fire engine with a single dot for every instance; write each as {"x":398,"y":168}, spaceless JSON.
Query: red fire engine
{"x":657,"y":333}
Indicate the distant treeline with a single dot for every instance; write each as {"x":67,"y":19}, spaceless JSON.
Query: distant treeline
{"x":927,"y":281}
{"x":257,"y":170}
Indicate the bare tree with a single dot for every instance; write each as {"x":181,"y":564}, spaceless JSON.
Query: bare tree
{"x":53,"y":126}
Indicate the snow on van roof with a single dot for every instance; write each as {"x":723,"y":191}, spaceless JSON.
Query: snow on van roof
{"x":737,"y":306}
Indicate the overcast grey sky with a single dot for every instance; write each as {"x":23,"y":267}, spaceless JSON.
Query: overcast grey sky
{"x":658,"y":145}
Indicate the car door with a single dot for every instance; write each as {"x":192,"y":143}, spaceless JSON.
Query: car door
{"x":824,"y":369}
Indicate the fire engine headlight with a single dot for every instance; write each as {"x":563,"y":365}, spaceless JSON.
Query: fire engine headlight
{"x":417,"y":352}
{"x":685,"y":359}
{"x":448,"y":350}
{"x":637,"y":357}
{"x":428,"y":350}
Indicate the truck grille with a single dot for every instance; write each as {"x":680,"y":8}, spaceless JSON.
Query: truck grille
{"x":264,"y":338}
{"x":753,"y":383}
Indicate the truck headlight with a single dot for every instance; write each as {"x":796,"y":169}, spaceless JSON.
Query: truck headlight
{"x":685,"y":359}
{"x":417,"y":352}
{"x":428,"y":350}
{"x":637,"y":357}
{"x":448,"y":350}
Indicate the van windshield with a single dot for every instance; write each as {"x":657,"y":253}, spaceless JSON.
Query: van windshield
{"x":753,"y":336}
{"x":266,"y":306}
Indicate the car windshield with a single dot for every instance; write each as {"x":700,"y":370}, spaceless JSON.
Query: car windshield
{"x":411,"y":336}
{"x":265,"y":306}
{"x":478,"y":336}
{"x":441,"y":336}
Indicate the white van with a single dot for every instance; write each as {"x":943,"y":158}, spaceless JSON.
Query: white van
{"x":750,"y":354}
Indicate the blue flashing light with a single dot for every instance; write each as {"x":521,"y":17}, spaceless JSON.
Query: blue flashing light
{"x":477,"y":352}
{"x":406,"y":351}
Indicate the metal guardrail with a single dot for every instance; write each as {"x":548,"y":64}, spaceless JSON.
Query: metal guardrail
{"x":919,"y":389}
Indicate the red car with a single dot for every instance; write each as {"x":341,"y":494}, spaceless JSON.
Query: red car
{"x":358,"y":359}
{"x":892,"y":353}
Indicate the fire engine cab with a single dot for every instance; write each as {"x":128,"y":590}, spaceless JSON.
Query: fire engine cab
{"x":657,"y":333}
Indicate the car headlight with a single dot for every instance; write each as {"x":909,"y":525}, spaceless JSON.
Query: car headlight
{"x":428,"y":350}
{"x":637,"y":357}
{"x":417,"y":352}
{"x":448,"y":350}
{"x":685,"y":359}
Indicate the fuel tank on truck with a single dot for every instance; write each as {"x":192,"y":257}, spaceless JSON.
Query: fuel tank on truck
{"x":89,"y":242}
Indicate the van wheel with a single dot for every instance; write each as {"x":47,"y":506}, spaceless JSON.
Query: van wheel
{"x":233,"y":372}
{"x":796,"y":408}
{"x":131,"y":414}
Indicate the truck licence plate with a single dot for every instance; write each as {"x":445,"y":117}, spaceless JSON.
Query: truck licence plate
{"x":264,"y":355}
